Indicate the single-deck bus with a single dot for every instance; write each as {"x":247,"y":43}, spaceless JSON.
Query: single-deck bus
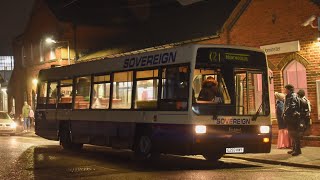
{"x":209,"y":100}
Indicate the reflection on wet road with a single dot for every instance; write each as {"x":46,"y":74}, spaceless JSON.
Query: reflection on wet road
{"x":36,"y":158}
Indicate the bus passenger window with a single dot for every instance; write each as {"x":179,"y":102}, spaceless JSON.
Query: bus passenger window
{"x":53,"y":92}
{"x":122,"y":90}
{"x":175,"y":86}
{"x":101,"y":92}
{"x":147,"y":89}
{"x":82,"y":98}
{"x":42,"y":99}
{"x":65,"y":94}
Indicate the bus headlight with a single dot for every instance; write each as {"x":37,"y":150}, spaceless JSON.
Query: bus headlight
{"x":264,"y":129}
{"x":201,"y":129}
{"x":13,"y":125}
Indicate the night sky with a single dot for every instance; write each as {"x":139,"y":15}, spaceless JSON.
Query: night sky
{"x":14,"y":15}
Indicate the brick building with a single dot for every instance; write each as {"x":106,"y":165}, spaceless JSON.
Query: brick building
{"x":32,"y":53}
{"x":267,"y":23}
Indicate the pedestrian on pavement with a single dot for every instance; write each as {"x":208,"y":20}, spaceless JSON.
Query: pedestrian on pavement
{"x":25,"y":115}
{"x":31,"y":116}
{"x":291,"y":117}
{"x":305,"y":110}
{"x":283,"y":136}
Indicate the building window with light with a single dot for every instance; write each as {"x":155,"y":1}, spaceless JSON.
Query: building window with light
{"x":295,"y":74}
{"x":6,"y":63}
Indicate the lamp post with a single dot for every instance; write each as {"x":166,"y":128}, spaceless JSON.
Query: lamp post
{"x":50,"y":41}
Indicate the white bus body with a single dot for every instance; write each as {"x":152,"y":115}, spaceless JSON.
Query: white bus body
{"x":149,"y":102}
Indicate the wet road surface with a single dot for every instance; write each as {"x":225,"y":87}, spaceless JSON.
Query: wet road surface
{"x":37,"y":158}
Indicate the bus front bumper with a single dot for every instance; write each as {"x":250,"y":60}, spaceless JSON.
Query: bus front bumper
{"x":231,"y":143}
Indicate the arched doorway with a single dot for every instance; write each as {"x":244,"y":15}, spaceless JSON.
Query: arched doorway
{"x":295,"y":73}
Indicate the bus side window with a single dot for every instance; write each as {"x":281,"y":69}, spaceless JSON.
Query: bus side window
{"x":65,"y":94}
{"x":175,"y":86}
{"x":147,"y":89}
{"x":101,"y":92}
{"x":122,"y":90}
{"x":52,"y":97}
{"x":42,"y":98}
{"x":82,"y":92}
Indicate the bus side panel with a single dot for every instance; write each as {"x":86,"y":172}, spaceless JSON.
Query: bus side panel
{"x":173,"y":138}
{"x":105,"y":128}
{"x":112,"y":134}
{"x":46,"y":124}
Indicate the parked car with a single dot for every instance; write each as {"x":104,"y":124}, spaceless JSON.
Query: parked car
{"x":7,"y":125}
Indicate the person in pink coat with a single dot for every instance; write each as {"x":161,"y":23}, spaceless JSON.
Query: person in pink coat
{"x":283,"y":136}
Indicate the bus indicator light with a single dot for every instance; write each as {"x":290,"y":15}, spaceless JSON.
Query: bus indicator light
{"x":266,"y":140}
{"x":201,"y":129}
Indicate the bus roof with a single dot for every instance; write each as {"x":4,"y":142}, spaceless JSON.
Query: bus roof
{"x":132,"y":60}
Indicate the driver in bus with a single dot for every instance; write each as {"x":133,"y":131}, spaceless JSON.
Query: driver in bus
{"x":209,"y":90}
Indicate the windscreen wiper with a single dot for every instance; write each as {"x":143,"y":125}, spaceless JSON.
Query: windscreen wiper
{"x":254,"y":117}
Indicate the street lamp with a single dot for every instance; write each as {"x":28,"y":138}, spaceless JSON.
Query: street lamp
{"x":35,"y":81}
{"x":52,"y":41}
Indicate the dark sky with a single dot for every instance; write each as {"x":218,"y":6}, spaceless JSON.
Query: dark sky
{"x":14,"y":15}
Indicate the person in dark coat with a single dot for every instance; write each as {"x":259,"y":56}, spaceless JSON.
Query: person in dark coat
{"x":283,"y":136}
{"x":209,"y":90}
{"x":291,"y":117}
{"x":305,"y":110}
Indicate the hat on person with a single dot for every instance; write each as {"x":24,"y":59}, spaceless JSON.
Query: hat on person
{"x":289,"y":87}
{"x":279,"y":96}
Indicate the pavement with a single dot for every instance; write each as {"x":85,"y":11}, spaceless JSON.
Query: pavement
{"x":310,"y":157}
{"x":21,"y":132}
{"x":26,"y":134}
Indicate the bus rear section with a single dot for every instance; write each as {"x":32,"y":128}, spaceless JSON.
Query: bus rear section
{"x":230,"y":106}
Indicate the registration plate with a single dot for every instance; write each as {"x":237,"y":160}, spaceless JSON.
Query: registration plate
{"x":235,"y":150}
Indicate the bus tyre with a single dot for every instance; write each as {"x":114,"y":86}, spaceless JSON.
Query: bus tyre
{"x":213,"y":157}
{"x":66,"y":141}
{"x":142,"y":148}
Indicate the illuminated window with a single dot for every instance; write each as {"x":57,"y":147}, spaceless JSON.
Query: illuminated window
{"x":82,"y":89}
{"x":295,"y":74}
{"x":6,"y":63}
{"x":53,"y":92}
{"x":101,"y":92}
{"x":65,"y":100}
{"x":147,"y":89}
{"x":42,"y":97}
{"x":122,"y":90}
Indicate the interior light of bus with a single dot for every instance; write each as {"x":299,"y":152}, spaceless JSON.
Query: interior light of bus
{"x":266,"y":140}
{"x":201,"y":129}
{"x":264,"y":129}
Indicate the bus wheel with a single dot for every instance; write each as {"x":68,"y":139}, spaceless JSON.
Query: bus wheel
{"x":213,"y":156}
{"x":142,"y":148}
{"x":66,"y":141}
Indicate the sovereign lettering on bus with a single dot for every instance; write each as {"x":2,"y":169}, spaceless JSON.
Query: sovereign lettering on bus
{"x":240,"y":121}
{"x":155,"y":59}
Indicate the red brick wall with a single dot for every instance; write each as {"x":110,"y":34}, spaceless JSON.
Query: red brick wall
{"x":267,"y":22}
